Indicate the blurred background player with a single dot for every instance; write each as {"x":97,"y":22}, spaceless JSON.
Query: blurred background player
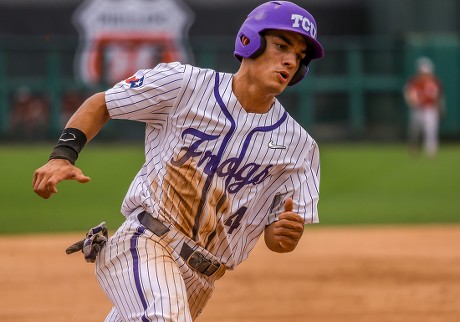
{"x":424,"y":95}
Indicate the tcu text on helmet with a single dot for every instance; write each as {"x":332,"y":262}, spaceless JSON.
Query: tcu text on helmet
{"x":306,"y":24}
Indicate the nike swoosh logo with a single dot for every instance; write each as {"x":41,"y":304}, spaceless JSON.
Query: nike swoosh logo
{"x":272,"y":145}
{"x":69,"y":139}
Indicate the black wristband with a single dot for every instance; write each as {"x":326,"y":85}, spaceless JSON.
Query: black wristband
{"x":71,"y":142}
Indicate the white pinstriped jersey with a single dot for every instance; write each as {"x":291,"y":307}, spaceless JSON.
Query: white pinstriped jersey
{"x":216,"y":172}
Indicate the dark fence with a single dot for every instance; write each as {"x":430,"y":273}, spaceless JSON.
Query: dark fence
{"x":353,"y":93}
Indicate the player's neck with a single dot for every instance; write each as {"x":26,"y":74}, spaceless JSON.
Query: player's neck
{"x":250,"y":96}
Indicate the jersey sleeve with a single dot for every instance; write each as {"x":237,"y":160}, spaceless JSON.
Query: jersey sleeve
{"x":147,"y":96}
{"x":301,"y":184}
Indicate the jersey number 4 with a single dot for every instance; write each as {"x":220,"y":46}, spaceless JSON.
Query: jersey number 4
{"x":234,"y":220}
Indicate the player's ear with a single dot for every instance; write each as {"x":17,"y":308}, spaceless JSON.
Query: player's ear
{"x":245,"y":40}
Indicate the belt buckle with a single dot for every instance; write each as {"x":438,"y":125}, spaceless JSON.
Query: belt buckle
{"x":201,"y":264}
{"x":197,"y":261}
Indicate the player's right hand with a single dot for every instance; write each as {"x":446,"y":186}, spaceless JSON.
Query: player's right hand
{"x":48,"y":176}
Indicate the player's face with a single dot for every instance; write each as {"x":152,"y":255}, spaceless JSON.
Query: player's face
{"x":281,"y":58}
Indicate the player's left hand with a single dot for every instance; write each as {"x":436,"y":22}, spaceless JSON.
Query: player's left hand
{"x":283,"y":235}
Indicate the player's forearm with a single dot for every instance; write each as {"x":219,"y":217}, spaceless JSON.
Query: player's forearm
{"x":91,"y":116}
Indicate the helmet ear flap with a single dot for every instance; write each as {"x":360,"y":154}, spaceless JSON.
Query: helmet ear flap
{"x":299,"y":75}
{"x":261,"y":49}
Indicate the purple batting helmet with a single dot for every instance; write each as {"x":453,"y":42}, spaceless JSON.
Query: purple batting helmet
{"x":279,"y":15}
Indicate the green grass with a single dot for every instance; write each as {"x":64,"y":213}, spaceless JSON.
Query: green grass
{"x":76,"y":206}
{"x":383,"y":184}
{"x":377,"y":184}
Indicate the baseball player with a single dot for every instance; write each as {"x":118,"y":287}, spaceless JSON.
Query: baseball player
{"x":224,"y":164}
{"x":424,"y":96}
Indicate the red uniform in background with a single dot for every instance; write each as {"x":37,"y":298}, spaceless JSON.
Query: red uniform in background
{"x":424,"y":95}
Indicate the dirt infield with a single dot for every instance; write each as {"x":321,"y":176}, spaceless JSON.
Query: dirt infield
{"x":385,"y":274}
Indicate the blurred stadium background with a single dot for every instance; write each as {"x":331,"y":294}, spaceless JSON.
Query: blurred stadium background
{"x":354,"y":93}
